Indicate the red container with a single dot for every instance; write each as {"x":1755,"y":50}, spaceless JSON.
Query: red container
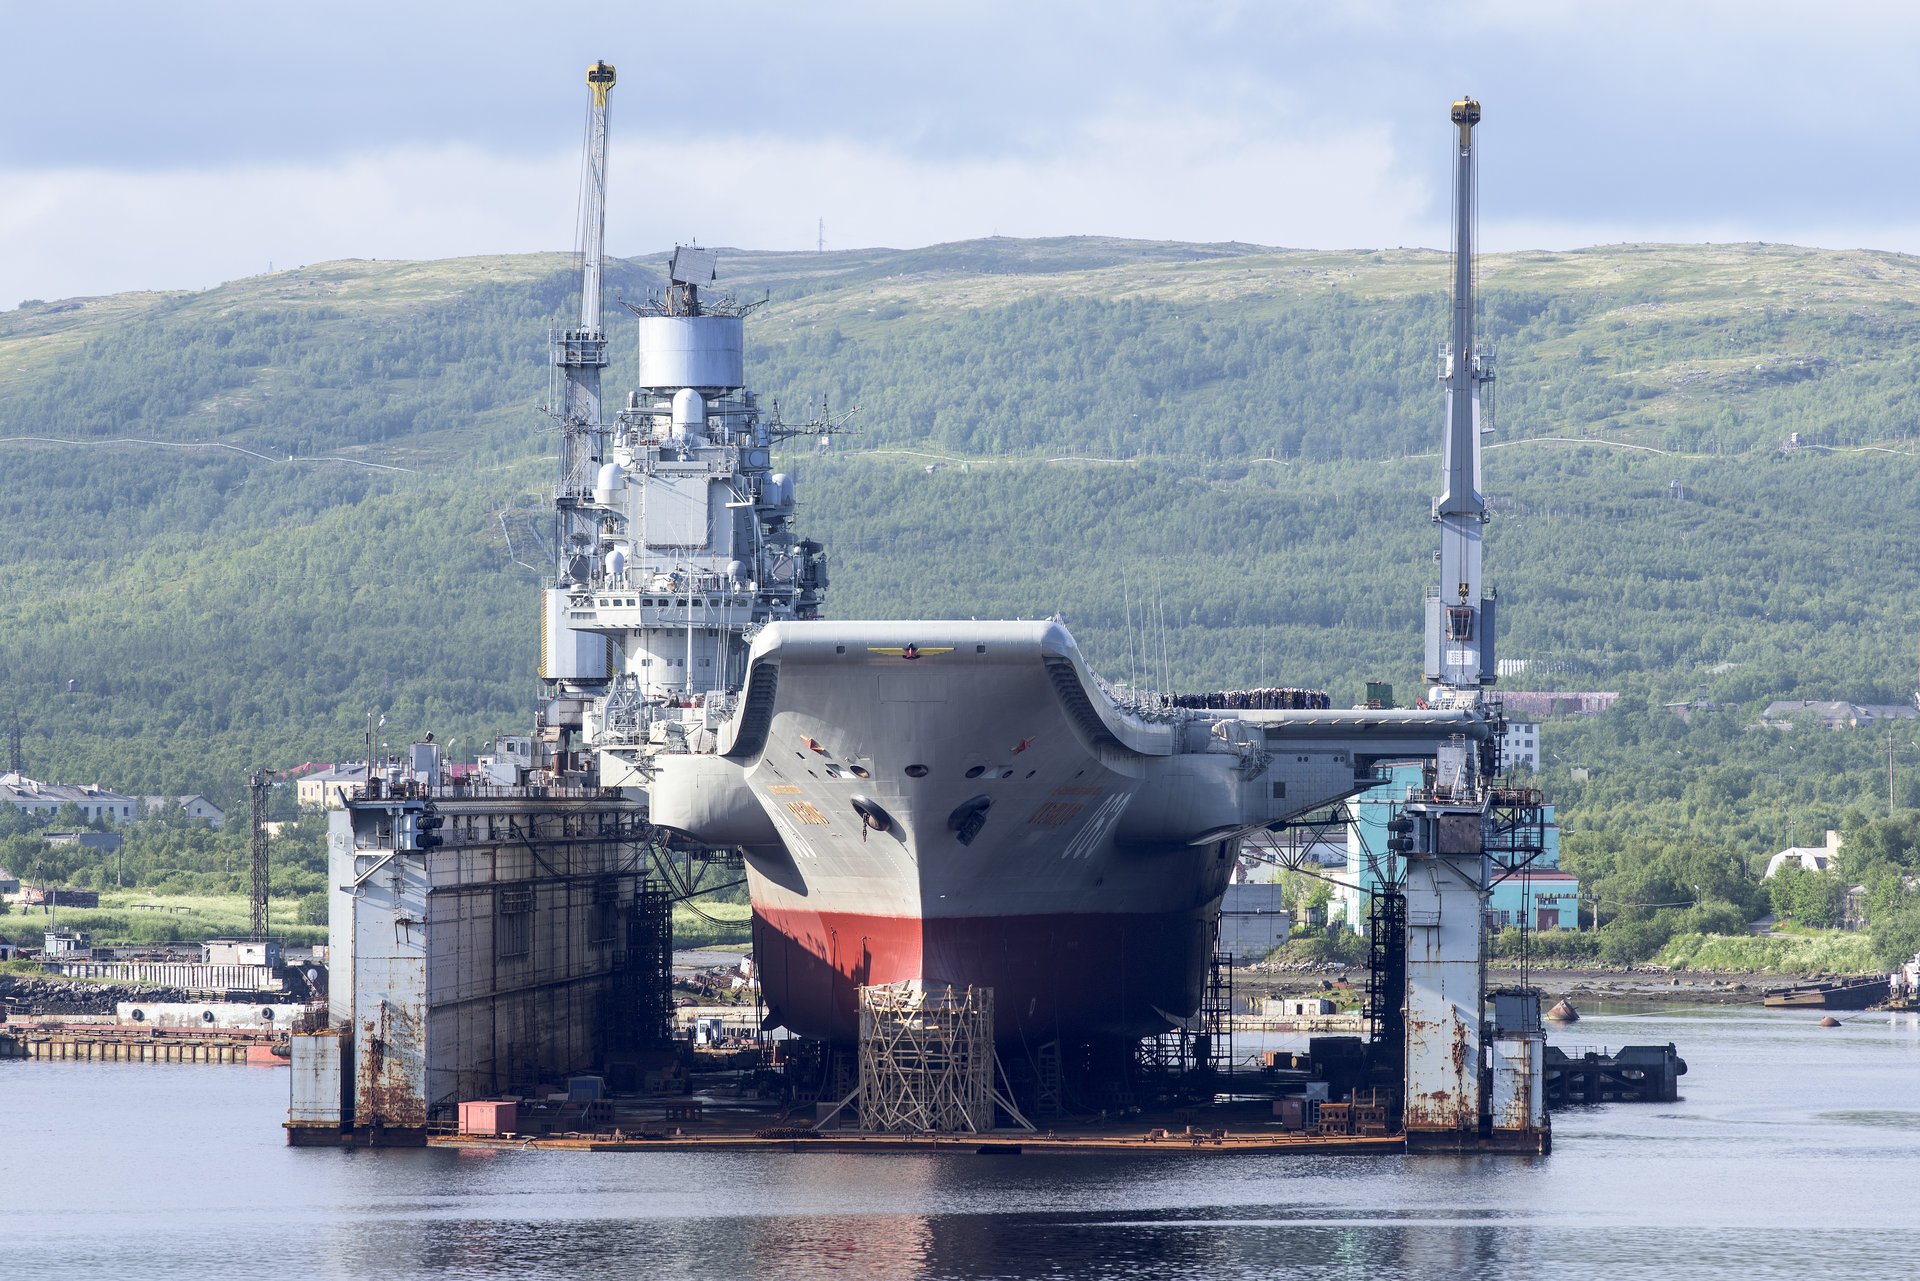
{"x":485,"y":1116}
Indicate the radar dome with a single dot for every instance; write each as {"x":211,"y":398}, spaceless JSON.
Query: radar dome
{"x":689,"y":413}
{"x":606,"y":483}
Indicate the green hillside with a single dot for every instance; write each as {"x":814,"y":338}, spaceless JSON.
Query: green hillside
{"x":281,"y":504}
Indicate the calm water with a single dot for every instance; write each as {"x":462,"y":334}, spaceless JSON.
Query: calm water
{"x":1794,"y":1153}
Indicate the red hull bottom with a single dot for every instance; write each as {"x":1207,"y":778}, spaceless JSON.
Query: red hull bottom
{"x":1066,"y":976}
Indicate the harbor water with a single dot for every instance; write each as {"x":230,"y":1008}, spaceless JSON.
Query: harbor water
{"x":1794,"y":1152}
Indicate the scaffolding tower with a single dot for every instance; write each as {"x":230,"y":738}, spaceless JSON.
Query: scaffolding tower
{"x":1215,"y":1056}
{"x":648,"y":975}
{"x":927,"y":1061}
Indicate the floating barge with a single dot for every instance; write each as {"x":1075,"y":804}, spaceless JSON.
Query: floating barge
{"x":1839,"y":994}
{"x":97,"y":1043}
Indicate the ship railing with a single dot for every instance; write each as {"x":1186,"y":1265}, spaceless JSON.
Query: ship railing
{"x":465,"y":790}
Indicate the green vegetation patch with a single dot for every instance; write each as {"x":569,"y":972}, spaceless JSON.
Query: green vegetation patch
{"x":1832,"y":952}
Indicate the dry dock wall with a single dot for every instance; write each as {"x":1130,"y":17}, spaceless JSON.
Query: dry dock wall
{"x":501,"y":958}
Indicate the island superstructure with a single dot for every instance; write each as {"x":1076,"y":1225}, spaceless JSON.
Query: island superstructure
{"x":675,"y":536}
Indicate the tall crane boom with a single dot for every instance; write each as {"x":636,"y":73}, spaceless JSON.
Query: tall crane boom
{"x":580,"y":353}
{"x":1459,"y":614}
{"x":574,"y":665}
{"x":593,"y":213}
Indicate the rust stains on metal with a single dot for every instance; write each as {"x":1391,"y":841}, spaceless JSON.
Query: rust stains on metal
{"x":394,"y":1052}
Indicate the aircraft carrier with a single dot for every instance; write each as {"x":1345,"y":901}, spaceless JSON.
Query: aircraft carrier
{"x":945,"y":801}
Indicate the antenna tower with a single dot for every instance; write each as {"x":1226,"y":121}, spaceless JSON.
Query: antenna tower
{"x":258,"y":789}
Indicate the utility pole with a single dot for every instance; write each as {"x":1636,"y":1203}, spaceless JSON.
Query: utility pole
{"x":259,"y":787}
{"x":1889,"y":773}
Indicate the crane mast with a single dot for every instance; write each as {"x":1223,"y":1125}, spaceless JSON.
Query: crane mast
{"x":1459,"y":614}
{"x":570,"y":666}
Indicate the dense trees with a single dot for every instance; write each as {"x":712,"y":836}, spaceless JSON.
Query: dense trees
{"x":245,"y":589}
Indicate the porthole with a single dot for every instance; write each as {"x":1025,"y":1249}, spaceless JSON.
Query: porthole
{"x":976,"y":771}
{"x":916,"y":771}
{"x":1032,"y":772}
{"x":861,"y":771}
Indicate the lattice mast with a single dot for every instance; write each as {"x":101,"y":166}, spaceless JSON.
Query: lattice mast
{"x":1459,"y":613}
{"x":579,"y":356}
{"x":259,"y":787}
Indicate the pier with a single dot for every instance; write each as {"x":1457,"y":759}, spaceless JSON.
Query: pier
{"x":97,"y":1043}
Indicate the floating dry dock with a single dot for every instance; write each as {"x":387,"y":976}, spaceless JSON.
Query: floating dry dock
{"x":1013,"y":1144}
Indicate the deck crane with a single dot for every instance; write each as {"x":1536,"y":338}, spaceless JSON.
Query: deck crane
{"x":573,"y":664}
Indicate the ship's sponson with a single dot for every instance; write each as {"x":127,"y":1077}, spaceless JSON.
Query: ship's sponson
{"x":1218,"y":773}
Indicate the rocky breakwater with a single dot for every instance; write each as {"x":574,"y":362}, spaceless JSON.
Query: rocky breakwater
{"x":27,"y":995}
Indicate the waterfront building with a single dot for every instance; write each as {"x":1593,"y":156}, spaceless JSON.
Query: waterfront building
{"x":1785,"y":713}
{"x":99,"y":842}
{"x":194,"y":806}
{"x":30,"y":796}
{"x":1814,"y":858}
{"x":329,"y":788}
{"x":1520,"y":746}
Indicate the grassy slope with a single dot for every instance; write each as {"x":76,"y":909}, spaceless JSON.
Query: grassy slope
{"x":218,"y":608}
{"x":123,"y":920}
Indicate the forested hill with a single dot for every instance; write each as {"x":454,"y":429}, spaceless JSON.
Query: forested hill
{"x":242,"y":518}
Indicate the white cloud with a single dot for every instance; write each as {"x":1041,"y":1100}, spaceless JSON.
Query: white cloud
{"x":1189,"y":177}
{"x":70,"y":232}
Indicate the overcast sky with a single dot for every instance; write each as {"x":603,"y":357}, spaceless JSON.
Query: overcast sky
{"x":179,"y":145}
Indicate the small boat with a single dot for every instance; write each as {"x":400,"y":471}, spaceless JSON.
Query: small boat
{"x":1839,"y":994}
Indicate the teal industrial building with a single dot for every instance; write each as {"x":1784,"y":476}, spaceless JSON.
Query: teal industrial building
{"x":1540,"y":897}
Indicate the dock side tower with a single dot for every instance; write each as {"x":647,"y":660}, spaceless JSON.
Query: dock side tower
{"x":1459,"y":612}
{"x":573,"y":664}
{"x":1469,"y":1081}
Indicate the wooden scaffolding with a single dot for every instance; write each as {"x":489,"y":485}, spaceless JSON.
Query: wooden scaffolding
{"x":927,"y":1060}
